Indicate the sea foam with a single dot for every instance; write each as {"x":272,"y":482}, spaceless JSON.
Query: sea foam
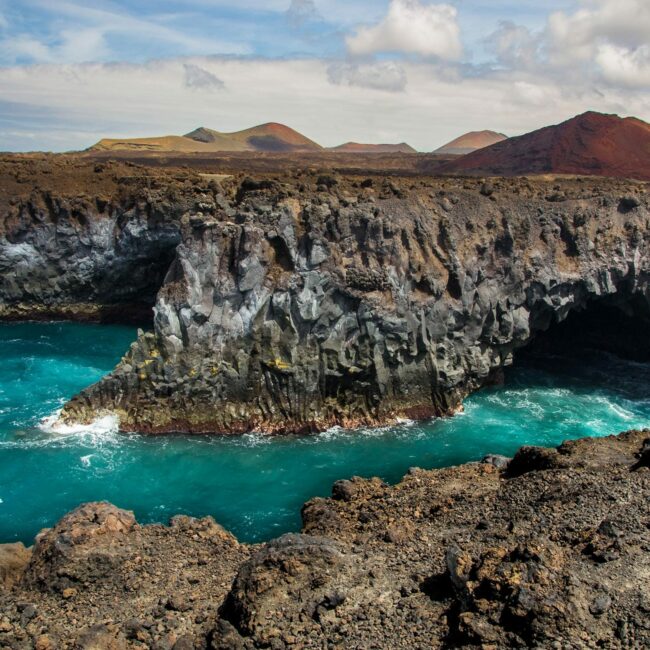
{"x":101,"y":427}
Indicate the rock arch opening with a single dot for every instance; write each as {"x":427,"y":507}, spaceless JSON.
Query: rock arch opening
{"x":618,"y":324}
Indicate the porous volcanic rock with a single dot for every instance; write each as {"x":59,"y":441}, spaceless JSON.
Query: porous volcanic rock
{"x":14,"y":559}
{"x":552,"y":550}
{"x":99,"y":580}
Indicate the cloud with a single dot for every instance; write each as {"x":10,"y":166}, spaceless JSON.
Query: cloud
{"x":411,"y":27}
{"x":71,"y":45}
{"x":378,"y":76}
{"x":578,"y":35}
{"x":199,"y":78}
{"x":4,"y":23}
{"x":302,"y":12}
{"x":602,"y":42}
{"x":620,"y":65}
{"x":514,"y":45}
{"x":92,"y":32}
{"x":73,"y":106}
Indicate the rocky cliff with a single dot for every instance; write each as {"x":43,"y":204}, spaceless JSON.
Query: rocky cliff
{"x":84,"y":241}
{"x":549,"y":549}
{"x":298,"y":304}
{"x":301,"y":301}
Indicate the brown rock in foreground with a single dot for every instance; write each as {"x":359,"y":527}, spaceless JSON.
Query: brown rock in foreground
{"x":551,"y":550}
{"x":14,"y":559}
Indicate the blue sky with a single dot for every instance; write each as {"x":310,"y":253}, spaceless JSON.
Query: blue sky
{"x":213,"y":27}
{"x":416,"y":70}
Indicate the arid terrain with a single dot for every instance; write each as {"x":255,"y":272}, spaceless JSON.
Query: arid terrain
{"x":368,"y":286}
{"x":470,"y":142}
{"x":589,"y":144}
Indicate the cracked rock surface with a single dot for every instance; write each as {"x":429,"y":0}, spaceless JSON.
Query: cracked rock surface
{"x":295,"y":302}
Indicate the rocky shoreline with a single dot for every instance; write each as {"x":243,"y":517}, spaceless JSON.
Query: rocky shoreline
{"x":297,"y":304}
{"x":550,"y":549}
{"x":296,"y":301}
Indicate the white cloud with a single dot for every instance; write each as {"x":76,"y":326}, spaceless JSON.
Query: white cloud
{"x":378,"y":76}
{"x":199,"y":78}
{"x":411,"y":27}
{"x":4,"y":23}
{"x":76,"y":105}
{"x":620,"y":65}
{"x":578,"y":35}
{"x":88,"y":32}
{"x":71,"y":45}
{"x":19,"y":47}
{"x":603,"y":42}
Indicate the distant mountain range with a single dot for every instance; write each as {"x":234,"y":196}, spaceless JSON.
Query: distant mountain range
{"x":589,"y":144}
{"x":355,"y":147}
{"x":471,"y":142}
{"x":270,"y":137}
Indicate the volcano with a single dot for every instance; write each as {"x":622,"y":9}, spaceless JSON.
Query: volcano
{"x":591,"y":144}
{"x":470,"y":142}
{"x":269,"y":137}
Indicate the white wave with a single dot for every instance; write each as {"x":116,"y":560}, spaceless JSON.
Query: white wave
{"x":623,"y":413}
{"x":85,"y":460}
{"x":102,"y":427}
{"x":252,"y":439}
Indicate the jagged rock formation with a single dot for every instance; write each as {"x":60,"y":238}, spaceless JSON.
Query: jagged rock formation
{"x":301,"y":301}
{"x":84,"y":242}
{"x":294,"y":304}
{"x":549,"y":549}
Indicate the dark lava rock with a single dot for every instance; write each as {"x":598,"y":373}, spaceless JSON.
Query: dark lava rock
{"x":529,"y":459}
{"x":84,"y":539}
{"x":293,"y":311}
{"x":500,"y":462}
{"x":456,"y":557}
{"x":628,"y":203}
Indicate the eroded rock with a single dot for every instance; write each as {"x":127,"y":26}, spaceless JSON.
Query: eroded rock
{"x":456,"y":557}
{"x":295,"y":306}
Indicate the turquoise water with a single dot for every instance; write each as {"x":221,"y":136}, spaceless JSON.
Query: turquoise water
{"x":253,"y":485}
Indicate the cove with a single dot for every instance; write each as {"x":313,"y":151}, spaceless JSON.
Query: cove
{"x":255,"y":485}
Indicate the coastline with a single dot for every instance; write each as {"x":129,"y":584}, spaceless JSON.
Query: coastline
{"x":464,"y":549}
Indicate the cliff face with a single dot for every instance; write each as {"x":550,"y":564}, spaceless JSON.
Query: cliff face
{"x":297,"y":302}
{"x":298,"y":305}
{"x":549,"y":549}
{"x":83,"y":242}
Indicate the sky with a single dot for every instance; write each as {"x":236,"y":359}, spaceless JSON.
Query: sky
{"x":73,"y":72}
